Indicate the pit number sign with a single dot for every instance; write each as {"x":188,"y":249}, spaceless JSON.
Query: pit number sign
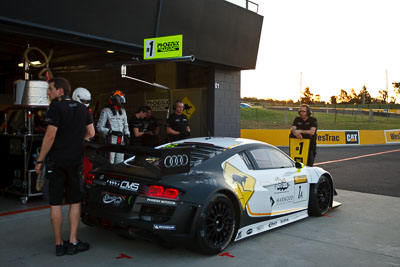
{"x":163,"y":47}
{"x":299,"y":149}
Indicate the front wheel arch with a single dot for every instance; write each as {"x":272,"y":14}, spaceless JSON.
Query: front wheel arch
{"x":321,"y":196}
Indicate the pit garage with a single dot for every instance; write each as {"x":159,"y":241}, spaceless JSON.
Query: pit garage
{"x":88,"y":42}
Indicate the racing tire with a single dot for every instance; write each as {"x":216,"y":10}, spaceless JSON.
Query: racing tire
{"x":321,"y":195}
{"x":215,"y":225}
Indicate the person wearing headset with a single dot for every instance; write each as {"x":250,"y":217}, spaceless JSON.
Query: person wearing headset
{"x":305,"y":126}
{"x":177,"y":123}
{"x":113,"y":124}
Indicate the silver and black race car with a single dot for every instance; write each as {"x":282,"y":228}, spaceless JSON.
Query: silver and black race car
{"x":203,"y":192}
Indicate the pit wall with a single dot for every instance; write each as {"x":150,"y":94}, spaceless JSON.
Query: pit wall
{"x":327,"y":137}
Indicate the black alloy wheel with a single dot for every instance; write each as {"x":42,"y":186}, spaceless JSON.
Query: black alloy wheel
{"x":216,"y":225}
{"x":320,"y":197}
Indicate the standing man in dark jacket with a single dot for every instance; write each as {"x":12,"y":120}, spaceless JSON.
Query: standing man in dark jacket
{"x":305,"y":126}
{"x":68,"y":124}
{"x":177,"y":123}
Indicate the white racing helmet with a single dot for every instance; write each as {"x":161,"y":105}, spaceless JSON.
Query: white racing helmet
{"x":82,"y":95}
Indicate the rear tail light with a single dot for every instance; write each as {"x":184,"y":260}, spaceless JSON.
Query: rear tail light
{"x":162,"y":192}
{"x":89,"y":178}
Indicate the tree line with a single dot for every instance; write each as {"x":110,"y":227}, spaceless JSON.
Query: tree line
{"x":363,"y":97}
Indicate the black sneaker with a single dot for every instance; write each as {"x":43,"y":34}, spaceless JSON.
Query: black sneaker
{"x":61,"y":249}
{"x":79,"y":247}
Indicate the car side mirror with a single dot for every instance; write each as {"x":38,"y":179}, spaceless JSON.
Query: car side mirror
{"x":299,"y":165}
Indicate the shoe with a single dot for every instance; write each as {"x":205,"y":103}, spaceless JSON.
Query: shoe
{"x":79,"y":247}
{"x":61,"y":249}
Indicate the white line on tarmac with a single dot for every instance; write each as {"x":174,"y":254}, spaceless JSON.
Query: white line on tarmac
{"x":358,"y":157}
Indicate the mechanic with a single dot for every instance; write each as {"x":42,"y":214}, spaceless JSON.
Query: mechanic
{"x":113,"y":125}
{"x":150,"y":137}
{"x":137,"y":125}
{"x":68,"y":124}
{"x":305,"y":126}
{"x":177,"y":123}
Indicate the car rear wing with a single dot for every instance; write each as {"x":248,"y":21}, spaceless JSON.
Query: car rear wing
{"x":159,"y":161}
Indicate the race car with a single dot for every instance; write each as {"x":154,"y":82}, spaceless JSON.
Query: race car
{"x":203,"y":192}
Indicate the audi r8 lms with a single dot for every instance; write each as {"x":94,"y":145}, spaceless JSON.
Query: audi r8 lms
{"x":203,"y":192}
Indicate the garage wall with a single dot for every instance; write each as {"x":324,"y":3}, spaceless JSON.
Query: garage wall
{"x":226,"y":95}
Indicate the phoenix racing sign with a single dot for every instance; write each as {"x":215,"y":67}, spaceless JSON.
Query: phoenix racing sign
{"x":163,"y":47}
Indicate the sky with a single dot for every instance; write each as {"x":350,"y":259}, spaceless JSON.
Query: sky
{"x":327,"y":46}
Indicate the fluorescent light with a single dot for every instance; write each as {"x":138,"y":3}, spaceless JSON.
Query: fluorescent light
{"x":110,"y":51}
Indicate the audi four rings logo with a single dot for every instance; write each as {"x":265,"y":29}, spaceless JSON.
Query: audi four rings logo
{"x":176,"y":161}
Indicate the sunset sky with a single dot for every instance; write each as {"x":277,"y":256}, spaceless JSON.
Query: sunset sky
{"x":340,"y":44}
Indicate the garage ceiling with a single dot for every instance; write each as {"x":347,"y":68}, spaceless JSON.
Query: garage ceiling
{"x":66,"y":56}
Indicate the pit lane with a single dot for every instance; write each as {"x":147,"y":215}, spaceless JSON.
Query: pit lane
{"x":362,"y":232}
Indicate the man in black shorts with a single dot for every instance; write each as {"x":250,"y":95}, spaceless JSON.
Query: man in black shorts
{"x":305,"y":126}
{"x":68,"y":124}
{"x":178,"y":124}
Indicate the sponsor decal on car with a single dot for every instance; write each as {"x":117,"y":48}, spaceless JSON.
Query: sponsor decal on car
{"x":99,"y":182}
{"x":123,"y":185}
{"x":281,"y":186}
{"x":160,"y":201}
{"x":249,"y":232}
{"x":283,"y":200}
{"x":164,"y":227}
{"x":300,"y":179}
{"x":242,"y":183}
{"x":112,"y":199}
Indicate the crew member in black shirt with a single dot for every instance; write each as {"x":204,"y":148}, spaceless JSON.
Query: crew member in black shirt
{"x":177,"y":123}
{"x":137,"y":127}
{"x":150,"y":138}
{"x":68,"y":125}
{"x":305,"y":126}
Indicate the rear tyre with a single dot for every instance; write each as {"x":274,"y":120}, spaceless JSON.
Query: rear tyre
{"x":215,"y":225}
{"x":321,"y":195}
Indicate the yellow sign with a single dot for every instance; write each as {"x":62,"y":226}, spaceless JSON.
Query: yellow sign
{"x":338,"y":137}
{"x":163,"y":47}
{"x":392,"y":136}
{"x":188,"y":107}
{"x":242,"y":183}
{"x":299,"y":149}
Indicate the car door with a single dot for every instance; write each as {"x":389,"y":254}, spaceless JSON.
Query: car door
{"x":286,"y":186}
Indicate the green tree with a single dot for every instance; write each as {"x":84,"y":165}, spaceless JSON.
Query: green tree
{"x":396,"y":87}
{"x":382,"y":97}
{"x":307,"y":97}
{"x":364,"y":96}
{"x":343,"y":97}
{"x":353,"y":98}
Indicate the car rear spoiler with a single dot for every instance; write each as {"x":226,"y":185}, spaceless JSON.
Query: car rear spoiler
{"x":169,"y":160}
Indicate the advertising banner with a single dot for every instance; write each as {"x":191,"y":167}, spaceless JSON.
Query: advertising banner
{"x":338,"y":137}
{"x":392,"y":136}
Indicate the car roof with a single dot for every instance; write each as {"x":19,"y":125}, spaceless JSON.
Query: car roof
{"x":224,"y":142}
